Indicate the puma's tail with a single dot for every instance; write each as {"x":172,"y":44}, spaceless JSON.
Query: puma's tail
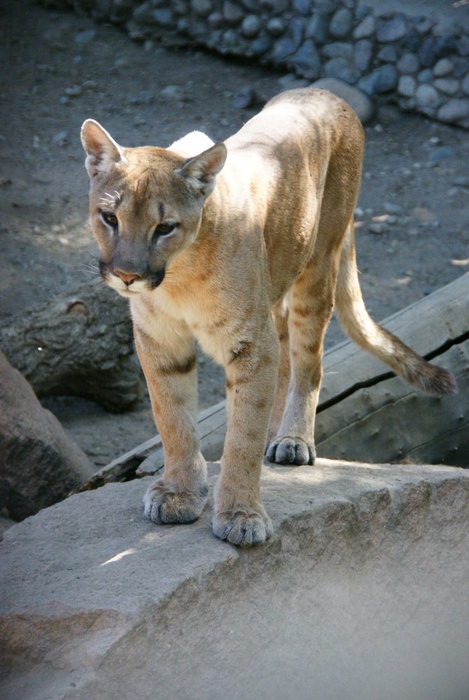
{"x":370,"y":336}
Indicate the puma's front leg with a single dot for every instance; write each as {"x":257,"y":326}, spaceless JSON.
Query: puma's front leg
{"x":169,"y":364}
{"x":251,"y":375}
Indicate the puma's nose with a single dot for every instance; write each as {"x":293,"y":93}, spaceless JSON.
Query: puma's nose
{"x":127,"y":277}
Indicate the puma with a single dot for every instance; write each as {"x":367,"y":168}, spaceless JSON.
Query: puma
{"x":245,"y":245}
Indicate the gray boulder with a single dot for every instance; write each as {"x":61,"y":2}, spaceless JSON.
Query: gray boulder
{"x":39,"y":463}
{"x":367,"y":570}
{"x":357,"y":99}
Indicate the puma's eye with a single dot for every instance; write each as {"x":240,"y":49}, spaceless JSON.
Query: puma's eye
{"x":109,"y":219}
{"x":165,"y":229}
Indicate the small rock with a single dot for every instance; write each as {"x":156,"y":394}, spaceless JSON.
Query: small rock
{"x":449,"y":86}
{"x":251,"y":26}
{"x":275,"y":26}
{"x":406,"y":86}
{"x":352,"y":95}
{"x":385,"y":79}
{"x":391,"y":208}
{"x":359,"y":213}
{"x":338,"y":49}
{"x":442,"y":68}
{"x":260,"y":46}
{"x":377,"y":227}
{"x":85,"y":37}
{"x":382,"y":80}
{"x":341,"y":69}
{"x":60,"y":139}
{"x":427,"y":52}
{"x":388,"y":54}
{"x":455,"y":110}
{"x":425,"y":77}
{"x":73,"y":91}
{"x":245,"y":98}
{"x":341,"y":23}
{"x":121,"y":62}
{"x":461,"y":181}
{"x":363,"y":53}
{"x":408,"y":63}
{"x":296,"y":31}
{"x":283,"y":48}
{"x":202,"y":8}
{"x":391,"y":30}
{"x":317,"y":28}
{"x":232,"y":12}
{"x":366,"y":28}
{"x":164,"y":17}
{"x":423,"y":26}
{"x":307,"y":60}
{"x":303,"y":6}
{"x":174,"y":92}
{"x":427,"y":97}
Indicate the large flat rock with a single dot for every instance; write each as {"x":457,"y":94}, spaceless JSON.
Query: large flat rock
{"x":363,"y":593}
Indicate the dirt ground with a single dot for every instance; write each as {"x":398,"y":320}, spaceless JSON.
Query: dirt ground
{"x":60,"y":68}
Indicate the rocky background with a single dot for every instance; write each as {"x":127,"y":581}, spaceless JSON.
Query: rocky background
{"x":423,"y":61}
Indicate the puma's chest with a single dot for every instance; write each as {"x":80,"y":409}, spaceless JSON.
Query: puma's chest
{"x":164,"y":317}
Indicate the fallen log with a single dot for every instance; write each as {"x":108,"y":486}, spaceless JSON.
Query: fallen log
{"x":365,"y":412}
{"x":81,"y":345}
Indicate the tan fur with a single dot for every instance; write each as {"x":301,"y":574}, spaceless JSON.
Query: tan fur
{"x":249,"y":256}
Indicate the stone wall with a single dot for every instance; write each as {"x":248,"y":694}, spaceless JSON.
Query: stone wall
{"x":421,"y":63}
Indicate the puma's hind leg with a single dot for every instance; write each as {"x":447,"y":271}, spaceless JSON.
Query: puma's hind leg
{"x":310,"y":304}
{"x":280,"y":315}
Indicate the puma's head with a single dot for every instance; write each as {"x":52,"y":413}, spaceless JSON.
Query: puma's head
{"x":145,"y":206}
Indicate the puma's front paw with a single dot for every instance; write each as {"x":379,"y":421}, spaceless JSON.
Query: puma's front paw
{"x":243,"y":526}
{"x":291,"y":450}
{"x":164,"y":505}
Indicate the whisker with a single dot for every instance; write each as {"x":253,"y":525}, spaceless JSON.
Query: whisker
{"x":89,"y":266}
{"x":95,"y":282}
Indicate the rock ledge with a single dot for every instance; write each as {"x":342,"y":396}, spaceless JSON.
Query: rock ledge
{"x":362,"y":592}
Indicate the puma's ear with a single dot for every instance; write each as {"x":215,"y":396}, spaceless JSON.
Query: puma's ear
{"x":202,"y":170}
{"x":102,"y":152}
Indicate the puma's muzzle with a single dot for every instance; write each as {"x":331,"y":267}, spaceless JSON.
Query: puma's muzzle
{"x":126,"y":281}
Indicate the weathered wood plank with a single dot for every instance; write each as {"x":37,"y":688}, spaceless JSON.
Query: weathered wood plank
{"x":389,"y":422}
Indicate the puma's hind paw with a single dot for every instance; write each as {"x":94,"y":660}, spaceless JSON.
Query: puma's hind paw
{"x":291,"y":450}
{"x":243,"y":527}
{"x":163,"y":505}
